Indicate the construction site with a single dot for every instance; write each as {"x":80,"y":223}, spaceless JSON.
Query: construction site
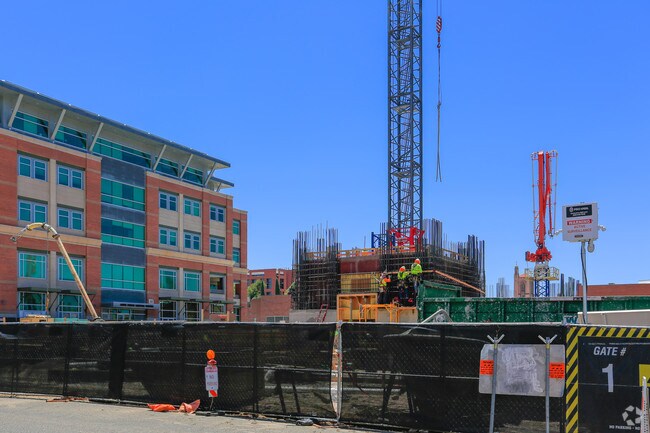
{"x":137,"y":290}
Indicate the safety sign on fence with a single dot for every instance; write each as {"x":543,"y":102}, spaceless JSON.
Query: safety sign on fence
{"x":605,"y":370}
{"x":521,"y":370}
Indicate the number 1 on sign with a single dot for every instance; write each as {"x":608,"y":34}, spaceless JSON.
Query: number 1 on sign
{"x":609,"y":371}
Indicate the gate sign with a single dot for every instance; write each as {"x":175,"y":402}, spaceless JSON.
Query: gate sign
{"x":212,"y":380}
{"x":580,"y":222}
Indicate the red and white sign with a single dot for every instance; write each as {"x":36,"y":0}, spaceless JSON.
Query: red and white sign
{"x":212,"y":380}
{"x":580,"y":222}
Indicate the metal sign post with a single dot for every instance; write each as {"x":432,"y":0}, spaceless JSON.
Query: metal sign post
{"x":547,"y":341}
{"x":495,"y":343}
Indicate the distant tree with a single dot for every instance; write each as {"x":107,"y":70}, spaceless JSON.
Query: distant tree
{"x":256,"y":289}
{"x":290,"y":289}
{"x":277,"y":286}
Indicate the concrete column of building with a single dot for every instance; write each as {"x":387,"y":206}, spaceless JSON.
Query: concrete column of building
{"x":51,"y":208}
{"x":181,"y":223}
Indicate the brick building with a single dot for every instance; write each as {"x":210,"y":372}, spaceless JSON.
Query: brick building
{"x":642,"y":288}
{"x":144,"y":219}
{"x":284,"y":278}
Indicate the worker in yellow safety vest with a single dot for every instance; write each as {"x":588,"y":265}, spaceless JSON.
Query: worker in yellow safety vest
{"x":384,"y":279}
{"x":402,"y":279}
{"x":416,"y":274}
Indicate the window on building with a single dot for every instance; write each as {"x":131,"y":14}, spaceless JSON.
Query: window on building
{"x":122,"y":233}
{"x":121,"y":152}
{"x":31,"y":124}
{"x":278,"y":319}
{"x":237,"y":311}
{"x":64,"y":273}
{"x":123,"y":314}
{"x":70,"y":306}
{"x":217,"y":213}
{"x":217,"y":308}
{"x":269,"y":285}
{"x":236,"y":256}
{"x":70,"y":218}
{"x":235,"y":227}
{"x":217,"y":284}
{"x":71,"y":177}
{"x":32,"y":167}
{"x":192,"y":241}
{"x":32,"y":211}
{"x":121,"y":194}
{"x":193,"y":175}
{"x":30,"y":301}
{"x":116,"y":276}
{"x":168,"y":310}
{"x":168,"y":167}
{"x":168,"y":236}
{"x":192,"y":311}
{"x":168,"y":201}
{"x":32,"y":265}
{"x":192,"y":281}
{"x":71,"y":137}
{"x":217,"y":245}
{"x":167,"y":278}
{"x":192,"y":207}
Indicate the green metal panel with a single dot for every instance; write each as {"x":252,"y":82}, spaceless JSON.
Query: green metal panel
{"x":462,"y":309}
{"x":489,"y":310}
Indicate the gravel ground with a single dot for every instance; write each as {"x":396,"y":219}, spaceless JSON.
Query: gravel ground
{"x":37,"y":415}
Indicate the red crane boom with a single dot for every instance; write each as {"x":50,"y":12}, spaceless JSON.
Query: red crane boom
{"x":546,"y":205}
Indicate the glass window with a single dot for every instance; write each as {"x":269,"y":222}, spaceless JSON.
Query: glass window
{"x":192,"y":207}
{"x":192,"y":281}
{"x":32,"y":265}
{"x":32,"y":167}
{"x":217,"y":245}
{"x":193,"y":175}
{"x":217,"y":283}
{"x":121,"y":194}
{"x":168,"y":310}
{"x":121,"y":152}
{"x":68,"y":176}
{"x":31,"y":124}
{"x":32,"y":211}
{"x":122,"y":233}
{"x":192,"y":241}
{"x":71,"y":136}
{"x":167,"y":167}
{"x":70,"y":219}
{"x":168,"y":201}
{"x":168,"y":236}
{"x":192,"y":311}
{"x":235,"y":227}
{"x":64,"y":271}
{"x":217,"y":308}
{"x":168,"y":278}
{"x":116,"y":276}
{"x":70,"y":306}
{"x":235,"y":256}
{"x":29,"y":301}
{"x":217,"y":213}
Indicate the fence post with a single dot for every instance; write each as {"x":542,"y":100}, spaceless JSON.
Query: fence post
{"x":66,"y":368}
{"x":255,"y":350}
{"x":645,"y":422}
{"x":119,"y":337}
{"x":547,"y":341}
{"x":495,"y":343}
{"x":339,"y":370}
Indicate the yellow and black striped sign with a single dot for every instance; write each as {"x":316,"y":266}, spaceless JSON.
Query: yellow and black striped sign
{"x":607,"y":353}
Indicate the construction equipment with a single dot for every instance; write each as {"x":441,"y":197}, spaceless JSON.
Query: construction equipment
{"x":57,"y":237}
{"x":542,"y":272}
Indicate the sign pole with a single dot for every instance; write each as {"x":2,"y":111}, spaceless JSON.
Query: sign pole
{"x":495,"y":343}
{"x":547,"y":341}
{"x":583,"y":255}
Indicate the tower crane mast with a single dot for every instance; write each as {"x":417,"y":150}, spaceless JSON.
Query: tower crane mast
{"x":543,"y":221}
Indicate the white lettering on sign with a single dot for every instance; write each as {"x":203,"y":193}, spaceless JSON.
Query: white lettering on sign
{"x":606,"y":351}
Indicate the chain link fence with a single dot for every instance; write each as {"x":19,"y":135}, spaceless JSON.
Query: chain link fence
{"x":407,"y":375}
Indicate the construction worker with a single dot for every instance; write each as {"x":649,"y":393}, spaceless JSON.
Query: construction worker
{"x":384,"y":279}
{"x":402,"y":278}
{"x":416,"y":274}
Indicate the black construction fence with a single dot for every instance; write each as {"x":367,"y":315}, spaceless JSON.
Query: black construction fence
{"x":406,"y":375}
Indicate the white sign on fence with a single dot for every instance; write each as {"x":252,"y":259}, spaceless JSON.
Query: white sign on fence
{"x":212,"y":380}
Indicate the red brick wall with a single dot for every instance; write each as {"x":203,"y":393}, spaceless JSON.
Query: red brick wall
{"x":270,"y":273}
{"x":266,"y":306}
{"x":641,"y":289}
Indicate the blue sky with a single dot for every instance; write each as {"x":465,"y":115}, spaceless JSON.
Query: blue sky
{"x":293,"y":95}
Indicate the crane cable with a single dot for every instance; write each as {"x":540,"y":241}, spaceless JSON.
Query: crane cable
{"x":439,"y":30}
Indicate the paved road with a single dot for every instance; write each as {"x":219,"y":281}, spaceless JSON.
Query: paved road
{"x":36,"y":415}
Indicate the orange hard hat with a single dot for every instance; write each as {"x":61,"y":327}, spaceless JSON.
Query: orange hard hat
{"x":402,"y":269}
{"x":417,"y":261}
